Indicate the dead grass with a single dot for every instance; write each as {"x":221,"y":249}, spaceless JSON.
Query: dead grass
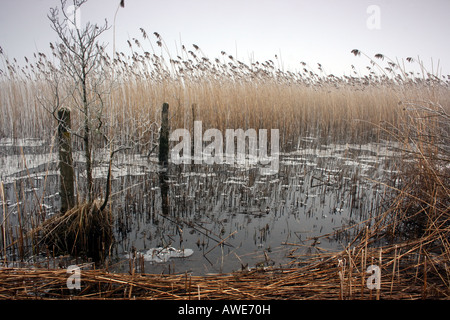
{"x":82,"y":230}
{"x":407,"y":272}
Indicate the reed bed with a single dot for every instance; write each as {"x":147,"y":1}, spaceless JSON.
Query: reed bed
{"x":82,"y":230}
{"x":222,"y":92}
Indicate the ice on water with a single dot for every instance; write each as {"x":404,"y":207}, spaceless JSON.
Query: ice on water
{"x":161,"y":254}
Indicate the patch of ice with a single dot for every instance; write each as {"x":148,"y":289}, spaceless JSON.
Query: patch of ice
{"x":160,"y":254}
{"x":357,"y":164}
{"x":26,"y":142}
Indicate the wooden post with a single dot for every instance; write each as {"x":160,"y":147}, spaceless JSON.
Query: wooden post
{"x":66,"y":189}
{"x":164,"y":158}
{"x":164,"y":136}
{"x":194,"y":117}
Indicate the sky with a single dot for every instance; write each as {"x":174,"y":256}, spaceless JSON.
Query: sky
{"x":320,"y":31}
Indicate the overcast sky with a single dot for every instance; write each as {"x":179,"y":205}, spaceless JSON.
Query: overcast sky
{"x":323,"y":31}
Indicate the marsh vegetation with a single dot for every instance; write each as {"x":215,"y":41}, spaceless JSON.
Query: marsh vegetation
{"x":364,"y":160}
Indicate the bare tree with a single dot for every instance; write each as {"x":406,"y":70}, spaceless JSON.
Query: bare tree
{"x":79,"y":55}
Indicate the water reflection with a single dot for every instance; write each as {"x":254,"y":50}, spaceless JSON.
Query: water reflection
{"x":231,"y":216}
{"x":164,"y":187}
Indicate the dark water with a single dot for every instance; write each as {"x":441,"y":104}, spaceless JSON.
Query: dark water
{"x":232,"y":217}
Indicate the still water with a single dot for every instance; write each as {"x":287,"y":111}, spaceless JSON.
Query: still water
{"x":228,"y":217}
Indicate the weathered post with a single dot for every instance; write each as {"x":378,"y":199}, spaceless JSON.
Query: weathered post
{"x":164,"y":158}
{"x":66,"y":189}
{"x":194,"y":117}
{"x":164,"y":136}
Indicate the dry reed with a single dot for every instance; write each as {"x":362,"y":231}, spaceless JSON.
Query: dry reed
{"x":82,"y":230}
{"x":228,"y":93}
{"x":404,"y":275}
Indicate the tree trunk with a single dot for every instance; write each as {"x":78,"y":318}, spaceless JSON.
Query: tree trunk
{"x":66,"y":189}
{"x":87,"y":146}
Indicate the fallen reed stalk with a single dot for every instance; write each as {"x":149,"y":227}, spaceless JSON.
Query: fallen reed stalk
{"x":326,"y":276}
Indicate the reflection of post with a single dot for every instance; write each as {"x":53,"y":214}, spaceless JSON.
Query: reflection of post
{"x":164,"y":158}
{"x":164,"y":191}
{"x":67,"y":191}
